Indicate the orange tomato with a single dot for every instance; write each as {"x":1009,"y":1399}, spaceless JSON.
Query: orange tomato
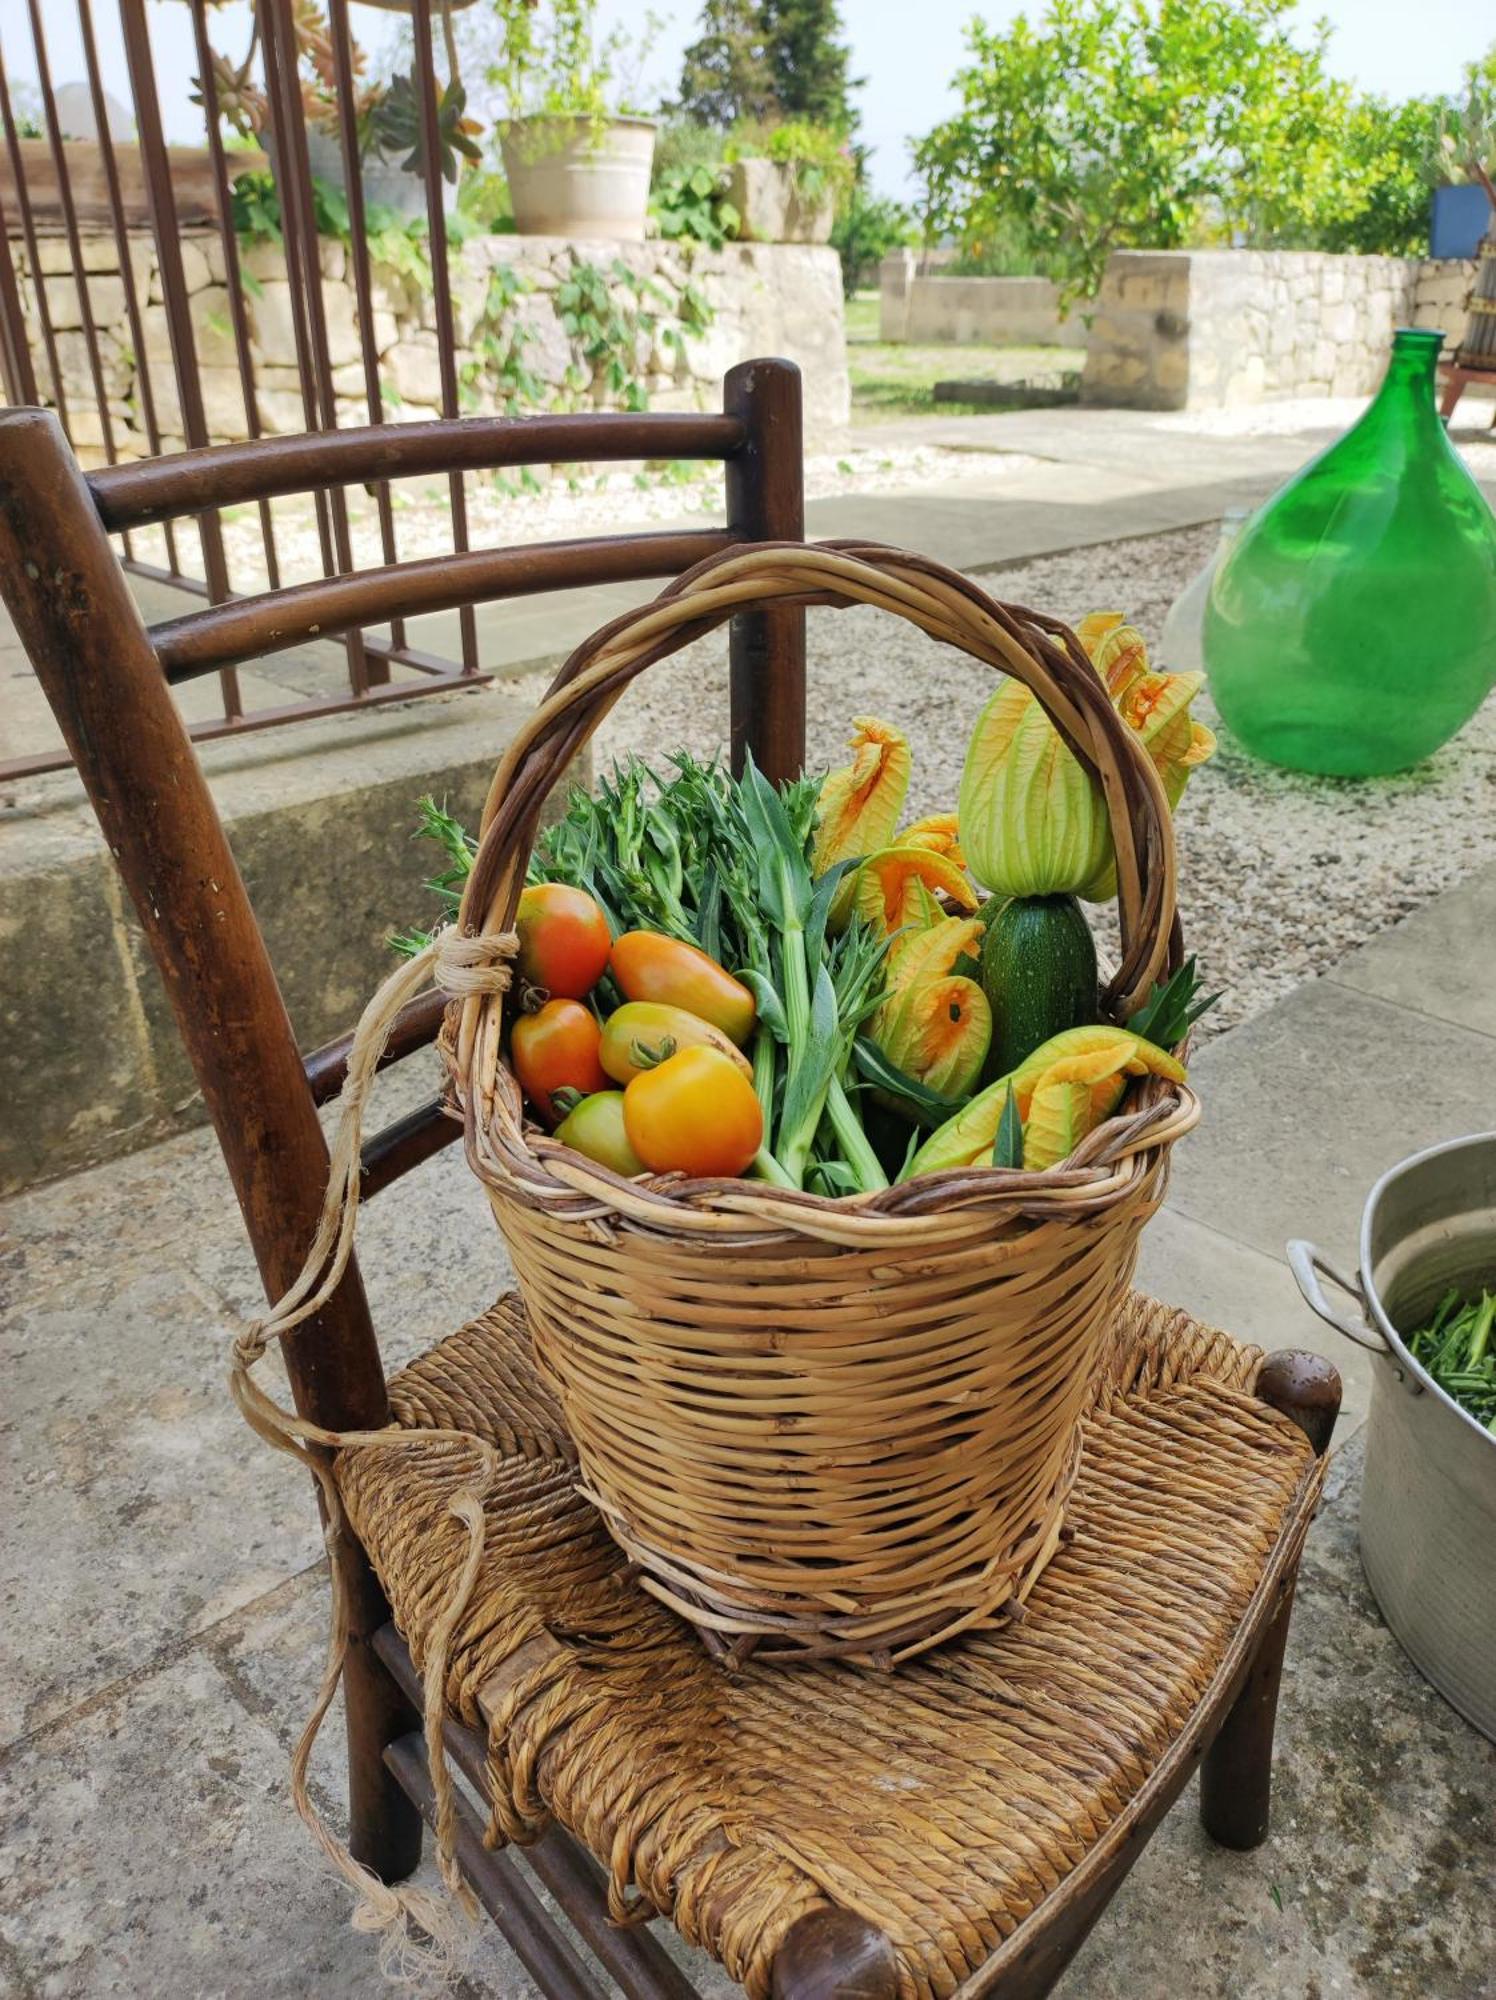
{"x":650,"y":967}
{"x":695,"y":1114}
{"x":556,"y":1049}
{"x":595,"y":1127}
{"x":643,"y":1033}
{"x":563,"y":939}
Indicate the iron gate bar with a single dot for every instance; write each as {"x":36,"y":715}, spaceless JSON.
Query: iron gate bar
{"x":233,"y":279}
{"x":446,"y":343}
{"x":161,"y":204}
{"x":294,"y":179}
{"x":15,"y":349}
{"x":271,"y":718}
{"x":28,"y":231}
{"x":131,"y":495}
{"x":70,"y":227}
{"x":358,"y":255}
{"x":288,"y":189}
{"x":122,"y":247}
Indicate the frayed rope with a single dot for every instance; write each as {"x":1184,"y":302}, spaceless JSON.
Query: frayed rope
{"x":424,"y":1939}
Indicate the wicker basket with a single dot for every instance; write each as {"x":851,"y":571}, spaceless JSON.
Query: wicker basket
{"x":825,"y":1427}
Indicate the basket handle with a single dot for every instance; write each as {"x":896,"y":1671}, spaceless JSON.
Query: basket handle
{"x":1041,"y":652}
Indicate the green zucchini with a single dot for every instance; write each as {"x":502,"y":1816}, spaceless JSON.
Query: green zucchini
{"x":1039,"y":975}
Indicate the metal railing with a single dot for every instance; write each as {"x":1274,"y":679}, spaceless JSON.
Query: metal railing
{"x":40,"y":201}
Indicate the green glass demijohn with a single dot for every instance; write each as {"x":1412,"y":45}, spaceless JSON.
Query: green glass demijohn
{"x":1351,"y":627}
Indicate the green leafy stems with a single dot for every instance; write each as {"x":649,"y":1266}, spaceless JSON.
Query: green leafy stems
{"x":725,"y":865}
{"x":1456,"y":1349}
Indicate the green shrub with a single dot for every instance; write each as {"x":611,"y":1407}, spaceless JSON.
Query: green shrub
{"x":690,"y":204}
{"x":866,"y":228}
{"x":817,"y":157}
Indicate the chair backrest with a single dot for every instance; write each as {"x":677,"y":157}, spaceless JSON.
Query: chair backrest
{"x":108,"y":678}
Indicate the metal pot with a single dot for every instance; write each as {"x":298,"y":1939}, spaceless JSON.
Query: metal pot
{"x":1428,"y":1506}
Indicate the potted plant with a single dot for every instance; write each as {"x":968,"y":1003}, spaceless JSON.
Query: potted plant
{"x":387,"y":115}
{"x":577,"y":152}
{"x":787,"y":180}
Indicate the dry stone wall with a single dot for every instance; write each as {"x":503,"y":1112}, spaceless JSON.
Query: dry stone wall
{"x":920,"y":306}
{"x":1192,"y":329}
{"x":760,"y":298}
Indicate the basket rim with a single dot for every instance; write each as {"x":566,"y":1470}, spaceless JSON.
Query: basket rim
{"x":1033,"y":648}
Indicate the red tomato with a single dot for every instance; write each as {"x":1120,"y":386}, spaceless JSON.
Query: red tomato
{"x":563,"y":939}
{"x":650,"y":967}
{"x":695,"y":1114}
{"x":556,"y":1049}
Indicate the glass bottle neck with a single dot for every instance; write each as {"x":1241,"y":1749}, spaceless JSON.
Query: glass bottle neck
{"x":1411,"y":367}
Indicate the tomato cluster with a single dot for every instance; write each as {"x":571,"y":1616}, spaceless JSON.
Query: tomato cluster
{"x":658,"y":1083}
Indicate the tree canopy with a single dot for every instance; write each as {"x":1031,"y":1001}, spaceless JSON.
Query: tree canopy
{"x":1114,"y":124}
{"x":766,"y":61}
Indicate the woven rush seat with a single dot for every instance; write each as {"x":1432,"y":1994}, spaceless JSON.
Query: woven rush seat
{"x":943,"y":1802}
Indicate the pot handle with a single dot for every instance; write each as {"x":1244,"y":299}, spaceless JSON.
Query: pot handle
{"x":1308,"y":1262}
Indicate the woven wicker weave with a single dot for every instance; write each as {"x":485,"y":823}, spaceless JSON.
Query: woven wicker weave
{"x":944,"y":1802}
{"x":826,"y":1426}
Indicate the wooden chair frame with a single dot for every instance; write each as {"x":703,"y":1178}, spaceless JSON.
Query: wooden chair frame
{"x":108,"y":679}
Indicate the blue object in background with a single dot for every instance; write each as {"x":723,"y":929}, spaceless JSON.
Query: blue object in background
{"x":1461,"y":217}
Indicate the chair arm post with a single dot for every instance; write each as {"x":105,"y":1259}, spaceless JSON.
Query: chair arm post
{"x":766,"y":503}
{"x":831,"y":1954}
{"x":1306,"y":1388}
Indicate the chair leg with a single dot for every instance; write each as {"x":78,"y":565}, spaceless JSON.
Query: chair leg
{"x":384,"y":1827}
{"x":1236,"y":1778}
{"x":1454,"y":388}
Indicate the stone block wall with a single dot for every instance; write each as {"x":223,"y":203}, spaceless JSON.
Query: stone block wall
{"x":1211,"y":329}
{"x":1005,"y":312}
{"x":760,"y":299}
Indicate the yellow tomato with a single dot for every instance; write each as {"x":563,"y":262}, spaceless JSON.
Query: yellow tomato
{"x":695,"y":1114}
{"x":644,"y":1033}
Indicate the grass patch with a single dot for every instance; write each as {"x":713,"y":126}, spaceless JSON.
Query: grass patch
{"x":893,"y":379}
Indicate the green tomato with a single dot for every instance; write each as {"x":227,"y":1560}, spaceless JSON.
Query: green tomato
{"x":595,"y":1127}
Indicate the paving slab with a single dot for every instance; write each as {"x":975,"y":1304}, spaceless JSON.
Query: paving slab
{"x":151,"y":1848}
{"x":1309,"y":1102}
{"x":1228,"y":1284}
{"x":134,"y":1514}
{"x":1440,"y":961}
{"x":1371,"y":1884}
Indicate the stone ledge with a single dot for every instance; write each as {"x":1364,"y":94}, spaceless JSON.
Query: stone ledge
{"x":320,"y":817}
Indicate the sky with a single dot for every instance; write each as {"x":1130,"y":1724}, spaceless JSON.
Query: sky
{"x":1382,"y":45}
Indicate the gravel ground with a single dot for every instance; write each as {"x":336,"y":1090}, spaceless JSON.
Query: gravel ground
{"x":1282,"y":874}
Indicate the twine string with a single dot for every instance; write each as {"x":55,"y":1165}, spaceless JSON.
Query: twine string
{"x":421,"y":1935}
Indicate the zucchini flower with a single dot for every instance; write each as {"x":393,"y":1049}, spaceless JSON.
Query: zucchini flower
{"x":1033,"y":823}
{"x":933,"y":1023}
{"x":940,"y":832}
{"x":896,"y":888}
{"x":1156,"y":705}
{"x":859,"y":805}
{"x":1064,"y":1090}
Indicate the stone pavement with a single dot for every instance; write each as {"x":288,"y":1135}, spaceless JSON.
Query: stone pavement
{"x":162,"y":1606}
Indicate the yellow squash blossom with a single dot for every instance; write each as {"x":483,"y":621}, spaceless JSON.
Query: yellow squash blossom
{"x":940,"y":832}
{"x":859,"y":804}
{"x":897,"y":888}
{"x":1064,"y":1090}
{"x":933,"y":1022}
{"x":1033,"y":823}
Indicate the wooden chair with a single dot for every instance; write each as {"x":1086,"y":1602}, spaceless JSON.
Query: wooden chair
{"x":787,"y":1891}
